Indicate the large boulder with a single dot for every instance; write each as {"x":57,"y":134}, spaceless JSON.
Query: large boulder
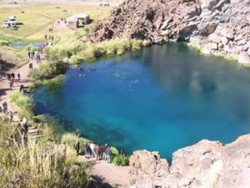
{"x":205,"y":164}
{"x":148,"y":169}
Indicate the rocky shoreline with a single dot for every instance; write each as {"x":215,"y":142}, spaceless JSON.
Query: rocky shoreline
{"x":205,"y":164}
{"x":218,"y":27}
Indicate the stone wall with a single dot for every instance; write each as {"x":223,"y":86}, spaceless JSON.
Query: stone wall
{"x":206,"y":164}
{"x":220,"y":27}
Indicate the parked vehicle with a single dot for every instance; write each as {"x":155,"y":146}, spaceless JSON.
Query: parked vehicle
{"x":12,"y":19}
{"x":10,"y":23}
{"x":6,"y":24}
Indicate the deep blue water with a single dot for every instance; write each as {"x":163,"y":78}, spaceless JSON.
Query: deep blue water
{"x":162,"y":98}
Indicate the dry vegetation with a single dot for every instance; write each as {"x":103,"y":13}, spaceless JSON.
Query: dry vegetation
{"x":34,"y":20}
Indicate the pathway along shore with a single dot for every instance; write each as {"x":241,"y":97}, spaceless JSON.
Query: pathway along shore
{"x":109,"y":175}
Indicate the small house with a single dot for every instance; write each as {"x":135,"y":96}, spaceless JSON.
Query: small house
{"x":78,"y":20}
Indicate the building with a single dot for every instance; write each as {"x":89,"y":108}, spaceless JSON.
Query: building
{"x":78,"y":20}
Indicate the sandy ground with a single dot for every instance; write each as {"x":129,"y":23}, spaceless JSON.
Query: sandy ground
{"x":116,"y":176}
{"x":4,"y":86}
{"x":108,"y":174}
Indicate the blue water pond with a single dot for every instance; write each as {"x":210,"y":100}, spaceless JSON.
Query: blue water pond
{"x":162,"y":98}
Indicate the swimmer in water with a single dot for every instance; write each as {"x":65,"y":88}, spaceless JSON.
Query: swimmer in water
{"x":81,"y":72}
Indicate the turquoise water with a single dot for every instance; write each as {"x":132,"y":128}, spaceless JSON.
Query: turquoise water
{"x":162,"y":98}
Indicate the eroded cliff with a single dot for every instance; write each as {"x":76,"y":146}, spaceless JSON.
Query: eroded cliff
{"x":219,"y":27}
{"x":205,"y":164}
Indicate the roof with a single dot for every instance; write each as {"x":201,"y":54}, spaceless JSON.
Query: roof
{"x":12,"y":17}
{"x":77,"y":16}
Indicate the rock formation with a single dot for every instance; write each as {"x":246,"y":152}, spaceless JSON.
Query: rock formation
{"x":205,"y":164}
{"x":219,"y":27}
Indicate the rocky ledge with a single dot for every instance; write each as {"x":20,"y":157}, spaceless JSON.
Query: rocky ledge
{"x":220,"y":27}
{"x":205,"y":164}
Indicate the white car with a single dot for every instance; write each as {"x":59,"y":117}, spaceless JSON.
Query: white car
{"x":6,"y":24}
{"x":12,"y":19}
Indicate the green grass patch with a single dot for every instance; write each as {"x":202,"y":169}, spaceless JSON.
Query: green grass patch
{"x":23,"y":102}
{"x":34,"y":19}
{"x":73,"y":50}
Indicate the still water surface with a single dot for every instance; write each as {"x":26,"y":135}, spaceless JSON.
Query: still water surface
{"x":162,"y":98}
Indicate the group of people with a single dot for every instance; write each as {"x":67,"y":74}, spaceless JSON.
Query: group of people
{"x":4,"y":109}
{"x":22,"y":123}
{"x":92,"y":150}
{"x":35,"y":56}
{"x":11,"y":78}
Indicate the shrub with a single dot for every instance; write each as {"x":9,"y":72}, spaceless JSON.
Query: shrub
{"x":30,"y":47}
{"x":40,"y":165}
{"x":70,"y":139}
{"x":46,"y":70}
{"x":4,"y":43}
{"x":23,"y":102}
{"x":136,"y":44}
{"x":114,"y":151}
{"x":121,"y":160}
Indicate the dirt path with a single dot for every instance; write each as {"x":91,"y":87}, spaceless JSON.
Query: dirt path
{"x":109,"y":175}
{"x":4,"y":86}
{"x":116,"y":176}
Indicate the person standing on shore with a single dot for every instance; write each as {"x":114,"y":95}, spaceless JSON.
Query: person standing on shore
{"x":92,"y":147}
{"x":87,"y":150}
{"x":77,"y":147}
{"x":97,"y":151}
{"x":18,"y":76}
{"x":107,"y":153}
{"x":5,"y":107}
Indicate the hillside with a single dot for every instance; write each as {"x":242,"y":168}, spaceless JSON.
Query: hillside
{"x":218,"y":27}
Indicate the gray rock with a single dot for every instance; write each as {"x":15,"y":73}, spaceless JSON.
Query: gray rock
{"x":241,"y":42}
{"x":244,"y":58}
{"x":166,"y":23}
{"x":208,"y":29}
{"x":238,"y":37}
{"x":205,"y":164}
{"x":224,"y":40}
{"x":181,"y":20}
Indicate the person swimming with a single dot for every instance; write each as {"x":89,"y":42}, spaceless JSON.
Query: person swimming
{"x":81,"y":72}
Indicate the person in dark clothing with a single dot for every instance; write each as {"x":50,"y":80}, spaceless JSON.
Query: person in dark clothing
{"x":98,"y":151}
{"x":18,"y":76}
{"x":87,"y":150}
{"x":13,"y":75}
{"x":77,"y":147}
{"x":32,"y":54}
{"x":8,"y":76}
{"x":21,"y":87}
{"x":5,"y":107}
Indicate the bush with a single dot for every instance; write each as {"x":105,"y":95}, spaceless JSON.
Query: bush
{"x":70,"y":139}
{"x":46,"y":70}
{"x":4,"y":43}
{"x":40,"y":165}
{"x":30,"y":48}
{"x":114,"y":151}
{"x":23,"y":102}
{"x":121,"y":160}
